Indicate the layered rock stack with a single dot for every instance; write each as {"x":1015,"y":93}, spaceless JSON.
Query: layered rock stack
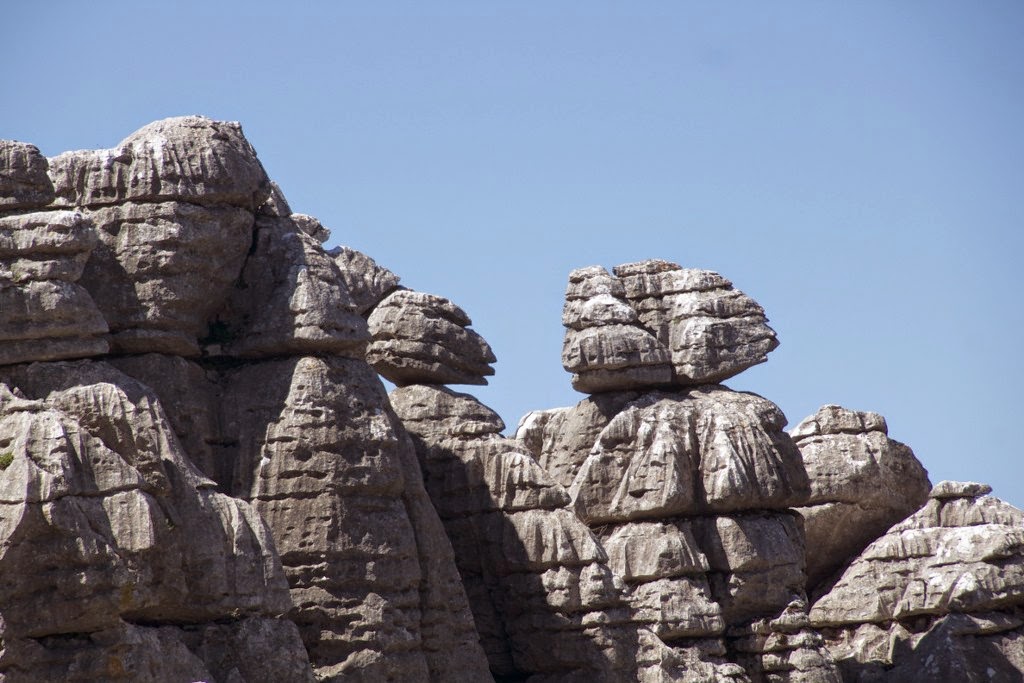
{"x":202,"y":476}
{"x":687,"y":484}
{"x":239,"y":347}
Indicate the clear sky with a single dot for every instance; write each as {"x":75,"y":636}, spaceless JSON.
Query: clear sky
{"x":857,"y":168}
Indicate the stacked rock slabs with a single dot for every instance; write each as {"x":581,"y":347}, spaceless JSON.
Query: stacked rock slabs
{"x":221,"y":304}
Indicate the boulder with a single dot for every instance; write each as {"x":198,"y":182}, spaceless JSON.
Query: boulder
{"x":604,"y":348}
{"x":711,"y":330}
{"x":424,"y":339}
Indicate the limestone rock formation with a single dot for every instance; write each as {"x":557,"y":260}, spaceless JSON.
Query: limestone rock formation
{"x":711,"y":330}
{"x":544,"y":601}
{"x":215,"y":294}
{"x":290,"y":297}
{"x":173,"y":208}
{"x":112,"y":541}
{"x":862,"y":482}
{"x":367,"y":282}
{"x":421,"y":338}
{"x":190,"y":159}
{"x":655,"y":324}
{"x":604,"y":347}
{"x":44,"y":313}
{"x":24,"y":182}
{"x":203,"y":478}
{"x":939,"y":597}
{"x":689,"y":493}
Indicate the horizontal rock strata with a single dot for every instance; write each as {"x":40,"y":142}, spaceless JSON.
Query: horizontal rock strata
{"x":862,"y":482}
{"x":421,"y":338}
{"x":938,"y":597}
{"x":202,"y":477}
{"x":134,"y":564}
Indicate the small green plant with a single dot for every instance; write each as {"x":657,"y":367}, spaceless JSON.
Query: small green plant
{"x":6,"y":458}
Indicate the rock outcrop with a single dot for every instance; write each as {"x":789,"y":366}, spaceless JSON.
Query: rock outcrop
{"x":939,"y":597}
{"x":862,"y":482}
{"x":269,"y":461}
{"x":202,"y":476}
{"x":44,"y":313}
{"x":689,"y":492}
{"x":421,"y":338}
{"x":120,"y":559}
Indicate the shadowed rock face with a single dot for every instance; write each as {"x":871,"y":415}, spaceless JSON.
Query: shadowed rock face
{"x":202,"y":477}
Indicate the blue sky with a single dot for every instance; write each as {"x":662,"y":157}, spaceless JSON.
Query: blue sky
{"x":856,"y":168}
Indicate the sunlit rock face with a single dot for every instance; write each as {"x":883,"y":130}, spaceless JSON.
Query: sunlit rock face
{"x":203,"y":477}
{"x":862,"y":482}
{"x":938,"y":597}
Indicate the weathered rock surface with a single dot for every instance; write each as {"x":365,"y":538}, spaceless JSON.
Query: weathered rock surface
{"x":938,"y":597}
{"x":544,"y":601}
{"x":291,"y":298}
{"x":711,"y":330}
{"x":605,"y":348}
{"x":229,"y":496}
{"x":161,"y":271}
{"x":44,"y":314}
{"x":367,"y":282}
{"x":688,"y":492}
{"x":561,"y":438}
{"x":189,"y":159}
{"x":113,"y":543}
{"x":313,"y":445}
{"x":862,"y":482}
{"x":708,"y":449}
{"x":24,"y":182}
{"x":421,"y":338}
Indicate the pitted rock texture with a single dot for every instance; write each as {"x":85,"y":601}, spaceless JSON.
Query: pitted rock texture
{"x":862,"y":482}
{"x":44,"y":313}
{"x":711,"y":330}
{"x":112,"y":541}
{"x":421,"y":338}
{"x":688,"y":492}
{"x":939,"y":597}
{"x":24,"y":181}
{"x":605,"y":348}
{"x":544,"y":601}
{"x":229,"y":496}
